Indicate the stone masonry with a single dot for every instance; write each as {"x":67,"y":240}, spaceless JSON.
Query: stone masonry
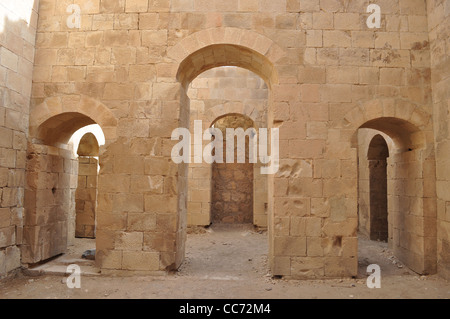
{"x":86,"y":193}
{"x":232,"y":189}
{"x":214,"y":94}
{"x":17,"y":39}
{"x":314,"y":69}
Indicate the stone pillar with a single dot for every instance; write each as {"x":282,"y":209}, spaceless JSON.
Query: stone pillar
{"x":412,"y":225}
{"x":86,"y":197}
{"x":49,"y":224}
{"x":141,"y":212}
{"x":438,"y":26}
{"x":213,"y":94}
{"x":17,"y":47}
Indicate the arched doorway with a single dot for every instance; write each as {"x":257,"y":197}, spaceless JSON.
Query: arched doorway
{"x":214,"y":95}
{"x":232,"y":193}
{"x":52,"y":178}
{"x":200,"y":61}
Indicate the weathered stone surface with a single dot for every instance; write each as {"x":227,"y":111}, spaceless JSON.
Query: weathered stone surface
{"x":86,"y":193}
{"x":142,"y":68}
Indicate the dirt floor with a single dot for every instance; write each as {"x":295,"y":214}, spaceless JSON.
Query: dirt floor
{"x":224,"y":262}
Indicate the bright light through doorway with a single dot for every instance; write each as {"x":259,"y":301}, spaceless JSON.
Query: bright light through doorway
{"x":76,"y":137}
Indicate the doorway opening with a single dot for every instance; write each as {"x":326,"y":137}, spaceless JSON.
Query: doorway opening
{"x":232,"y":183}
{"x":392,"y":160}
{"x":86,"y":193}
{"x":55,"y":172}
{"x":236,"y":98}
{"x":378,"y":209}
{"x":227,"y":200}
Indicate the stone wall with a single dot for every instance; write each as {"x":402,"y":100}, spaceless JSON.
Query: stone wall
{"x":411,"y":230}
{"x":128,"y":68}
{"x":232,"y":183}
{"x":439,"y":28}
{"x":214,"y":94}
{"x":49,"y":224}
{"x":86,"y":197}
{"x":17,"y":39}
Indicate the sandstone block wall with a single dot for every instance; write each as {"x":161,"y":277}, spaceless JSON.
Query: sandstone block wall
{"x":409,"y":196}
{"x":128,"y":68}
{"x":49,"y":223}
{"x":17,"y":38}
{"x":232,"y":183}
{"x":86,"y":197}
{"x":439,"y":30}
{"x":214,"y":94}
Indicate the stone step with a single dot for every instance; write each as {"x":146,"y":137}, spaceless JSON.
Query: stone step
{"x":59,"y":265}
{"x":70,"y":260}
{"x":61,"y":269}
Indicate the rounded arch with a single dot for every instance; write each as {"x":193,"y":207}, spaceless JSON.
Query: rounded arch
{"x":58,"y":129}
{"x":378,"y":148}
{"x":221,"y":110}
{"x":226,"y":35}
{"x":88,"y":145}
{"x":403,"y":121}
{"x":405,"y":135}
{"x":218,"y":55}
{"x":216,"y":47}
{"x":57,"y":118}
{"x":233,"y":114}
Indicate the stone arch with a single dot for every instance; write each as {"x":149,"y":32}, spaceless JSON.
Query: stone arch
{"x":86,"y":192}
{"x":254,"y":41}
{"x":88,"y":145}
{"x":225,"y":55}
{"x":219,"y":111}
{"x":233,"y":113}
{"x":378,"y":148}
{"x":405,"y":122}
{"x":408,"y":184}
{"x":57,"y":118}
{"x":210,"y":48}
{"x":52,"y":123}
{"x":200,"y":52}
{"x":217,"y":105}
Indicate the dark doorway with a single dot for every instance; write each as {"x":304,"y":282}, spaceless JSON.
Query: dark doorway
{"x":377,"y":158}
